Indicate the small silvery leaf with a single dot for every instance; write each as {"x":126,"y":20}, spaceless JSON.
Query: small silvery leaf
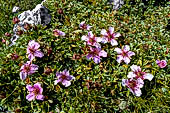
{"x":15,"y":9}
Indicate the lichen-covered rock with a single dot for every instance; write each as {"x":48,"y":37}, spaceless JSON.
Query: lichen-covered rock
{"x":39,"y":15}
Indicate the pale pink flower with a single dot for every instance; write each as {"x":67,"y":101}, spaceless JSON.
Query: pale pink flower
{"x":33,"y":50}
{"x":91,"y":39}
{"x":27,"y":69}
{"x":57,"y":32}
{"x":134,"y":85}
{"x":83,"y":25}
{"x":124,"y":54}
{"x":96,"y":54}
{"x":64,"y":77}
{"x":137,"y":73}
{"x":35,"y":92}
{"x":109,"y":36}
{"x":161,"y":63}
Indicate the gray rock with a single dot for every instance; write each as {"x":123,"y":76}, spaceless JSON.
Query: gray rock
{"x":116,"y":4}
{"x":39,"y":15}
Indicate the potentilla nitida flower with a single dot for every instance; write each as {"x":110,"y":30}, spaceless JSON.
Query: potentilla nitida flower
{"x":64,"y":77}
{"x":83,"y":25}
{"x":57,"y":32}
{"x":14,"y":56}
{"x":134,"y":85}
{"x":33,"y":50}
{"x":124,"y":54}
{"x":137,"y":73}
{"x":27,"y":69}
{"x":161,"y":63}
{"x":96,"y":54}
{"x":91,"y":39}
{"x":109,"y":36}
{"x":35,"y":92}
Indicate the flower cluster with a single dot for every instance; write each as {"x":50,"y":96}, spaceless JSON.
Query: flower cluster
{"x":135,"y":79}
{"x":32,"y":51}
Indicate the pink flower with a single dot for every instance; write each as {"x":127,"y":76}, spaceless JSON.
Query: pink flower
{"x":96,"y":53}
{"x":64,"y":77}
{"x":27,"y":69}
{"x":109,"y":36}
{"x":83,"y":25}
{"x":161,"y":63}
{"x":57,"y":32}
{"x":124,"y":54}
{"x":134,"y":85}
{"x":32,"y":50}
{"x":137,"y":73}
{"x":35,"y":92}
{"x":91,"y":39}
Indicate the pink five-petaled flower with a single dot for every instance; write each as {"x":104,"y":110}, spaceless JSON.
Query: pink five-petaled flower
{"x":32,"y":50}
{"x":27,"y":69}
{"x":124,"y":54}
{"x":57,"y":32}
{"x":137,"y":73}
{"x":161,"y":63}
{"x":109,"y":36}
{"x":35,"y":92}
{"x":64,"y":77}
{"x":83,"y":25}
{"x":96,"y":53}
{"x":134,"y":85}
{"x":91,"y":39}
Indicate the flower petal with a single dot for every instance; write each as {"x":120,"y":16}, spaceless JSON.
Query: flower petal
{"x":103,"y":53}
{"x":96,"y":59}
{"x":148,"y":76}
{"x":90,"y":34}
{"x":23,"y":75}
{"x":30,"y":97}
{"x":88,"y":27}
{"x":114,"y":42}
{"x":140,"y":83}
{"x":40,"y":97}
{"x":126,"y":60}
{"x":57,"y":81}
{"x":30,"y":88}
{"x":104,"y":32}
{"x":118,"y":50}
{"x":131,"y":75}
{"x":89,"y":56}
{"x":66,"y":83}
{"x":126,"y":48}
{"x":38,"y":54}
{"x":34,"y":45}
{"x":31,"y":57}
{"x":85,"y":38}
{"x":117,"y":35}
{"x":135,"y":68}
{"x":124,"y":82}
{"x":137,"y":92}
{"x":111,"y":30}
{"x":119,"y":58}
{"x":130,"y":53}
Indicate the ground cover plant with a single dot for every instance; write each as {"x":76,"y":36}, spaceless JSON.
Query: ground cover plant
{"x":90,"y":58}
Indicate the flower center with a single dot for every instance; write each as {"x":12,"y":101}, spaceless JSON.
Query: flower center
{"x":132,"y":84}
{"x":32,"y":50}
{"x":36,"y":91}
{"x":92,"y":40}
{"x":27,"y":68}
